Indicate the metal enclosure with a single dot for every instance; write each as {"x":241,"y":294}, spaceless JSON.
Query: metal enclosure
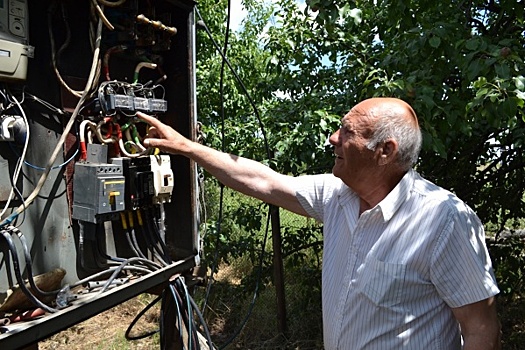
{"x":78,"y":220}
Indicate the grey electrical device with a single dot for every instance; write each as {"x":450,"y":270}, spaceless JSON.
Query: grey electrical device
{"x":14,"y":45}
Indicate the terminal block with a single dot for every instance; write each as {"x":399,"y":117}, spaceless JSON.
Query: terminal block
{"x":98,"y":192}
{"x":118,"y":102}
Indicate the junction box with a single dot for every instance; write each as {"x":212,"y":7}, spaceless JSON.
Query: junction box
{"x":103,"y":179}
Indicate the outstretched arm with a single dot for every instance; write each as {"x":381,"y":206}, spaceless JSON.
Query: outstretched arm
{"x":241,"y":174}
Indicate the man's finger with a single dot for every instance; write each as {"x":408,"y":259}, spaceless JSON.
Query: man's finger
{"x":149,"y":119}
{"x":149,"y":142}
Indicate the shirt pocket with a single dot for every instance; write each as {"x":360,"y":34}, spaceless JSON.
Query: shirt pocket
{"x":382,"y":282}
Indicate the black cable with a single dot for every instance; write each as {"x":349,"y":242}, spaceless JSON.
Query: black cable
{"x":202,"y":321}
{"x":119,"y":269}
{"x":29,"y":263}
{"x":82,"y":227}
{"x":20,"y":197}
{"x":223,"y":146}
{"x":136,"y":243}
{"x":20,"y":280}
{"x":156,"y":234}
{"x":243,"y":87}
{"x":256,"y":291}
{"x":155,"y":238}
{"x":146,"y":235}
{"x":179,"y":282}
{"x":131,"y":234}
{"x":137,"y":317}
{"x":136,"y":250}
{"x":179,"y":319}
{"x":101,"y":251}
{"x":183,"y":314}
{"x":110,"y":270}
{"x":6,"y":95}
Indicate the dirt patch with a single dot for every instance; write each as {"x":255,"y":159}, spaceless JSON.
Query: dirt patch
{"x":107,"y":329}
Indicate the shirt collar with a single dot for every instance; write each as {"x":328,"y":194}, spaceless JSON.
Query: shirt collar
{"x":393,"y":201}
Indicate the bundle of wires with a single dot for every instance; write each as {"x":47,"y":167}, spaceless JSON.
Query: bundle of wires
{"x":7,"y":234}
{"x":187,"y":320}
{"x":10,"y":102}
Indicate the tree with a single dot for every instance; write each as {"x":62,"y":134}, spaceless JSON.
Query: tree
{"x":457,"y":62}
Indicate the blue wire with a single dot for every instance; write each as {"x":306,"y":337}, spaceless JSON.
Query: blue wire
{"x":54,"y":167}
{"x":43,"y":169}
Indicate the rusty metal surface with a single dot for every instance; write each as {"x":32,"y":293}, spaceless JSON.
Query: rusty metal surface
{"x":19,"y":335}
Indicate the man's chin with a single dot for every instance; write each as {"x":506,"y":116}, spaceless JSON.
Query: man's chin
{"x":336,"y":171}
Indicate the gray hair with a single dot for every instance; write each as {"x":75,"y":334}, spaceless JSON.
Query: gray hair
{"x":393,"y":125}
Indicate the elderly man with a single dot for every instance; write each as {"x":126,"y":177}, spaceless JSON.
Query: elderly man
{"x":404,"y":261}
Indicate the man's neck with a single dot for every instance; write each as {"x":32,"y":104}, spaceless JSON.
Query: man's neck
{"x":376,"y":190}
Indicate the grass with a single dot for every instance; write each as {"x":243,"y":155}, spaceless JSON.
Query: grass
{"x":230,"y":302}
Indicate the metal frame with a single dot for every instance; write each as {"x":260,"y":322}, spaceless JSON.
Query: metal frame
{"x":19,"y":335}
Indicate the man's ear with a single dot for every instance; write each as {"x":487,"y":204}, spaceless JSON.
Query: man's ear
{"x":387,"y":152}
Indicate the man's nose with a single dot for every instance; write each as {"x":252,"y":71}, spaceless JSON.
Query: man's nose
{"x":334,"y":138}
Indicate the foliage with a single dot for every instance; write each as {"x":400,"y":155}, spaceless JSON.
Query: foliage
{"x":458,"y":63}
{"x":508,"y":258}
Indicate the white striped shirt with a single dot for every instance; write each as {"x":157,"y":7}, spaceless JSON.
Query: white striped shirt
{"x":392,"y":275}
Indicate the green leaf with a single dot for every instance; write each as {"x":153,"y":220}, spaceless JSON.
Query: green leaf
{"x":502,"y":70}
{"x":519,"y":82}
{"x":434,"y":41}
{"x":356,"y":14}
{"x":472,"y":44}
{"x":509,"y":107}
{"x":473,"y":69}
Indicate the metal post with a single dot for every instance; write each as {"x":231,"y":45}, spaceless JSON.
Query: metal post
{"x":278,"y":269}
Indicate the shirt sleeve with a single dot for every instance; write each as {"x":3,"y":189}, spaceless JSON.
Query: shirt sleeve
{"x":314,"y":191}
{"x":461,"y":266}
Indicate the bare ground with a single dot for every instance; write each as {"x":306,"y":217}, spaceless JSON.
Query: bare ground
{"x":107,"y":330}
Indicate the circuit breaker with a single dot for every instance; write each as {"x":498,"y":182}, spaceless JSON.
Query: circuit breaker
{"x":162,"y":178}
{"x":99,"y":192}
{"x":84,"y":202}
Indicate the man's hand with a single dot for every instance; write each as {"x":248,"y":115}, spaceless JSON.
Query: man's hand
{"x":163,"y":136}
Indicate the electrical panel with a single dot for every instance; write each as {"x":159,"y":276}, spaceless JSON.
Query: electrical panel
{"x":85,"y":205}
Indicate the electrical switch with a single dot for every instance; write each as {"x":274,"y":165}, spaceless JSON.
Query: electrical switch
{"x":162,"y":178}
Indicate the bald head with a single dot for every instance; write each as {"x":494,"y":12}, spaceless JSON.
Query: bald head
{"x":383,"y":106}
{"x":393,"y":119}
